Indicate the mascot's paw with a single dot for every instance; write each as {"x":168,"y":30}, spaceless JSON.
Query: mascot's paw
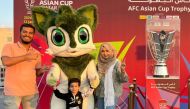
{"x":94,"y":82}
{"x":88,"y":93}
{"x":52,"y":81}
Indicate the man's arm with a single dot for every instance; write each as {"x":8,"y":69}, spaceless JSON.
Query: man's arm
{"x":9,"y":61}
{"x":39,"y":72}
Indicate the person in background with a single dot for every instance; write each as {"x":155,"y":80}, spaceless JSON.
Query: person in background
{"x":112,"y":74}
{"x":23,"y":65}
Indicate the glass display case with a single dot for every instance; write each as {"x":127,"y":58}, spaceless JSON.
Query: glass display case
{"x":163,"y":46}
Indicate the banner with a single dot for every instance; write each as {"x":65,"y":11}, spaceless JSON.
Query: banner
{"x":123,"y":24}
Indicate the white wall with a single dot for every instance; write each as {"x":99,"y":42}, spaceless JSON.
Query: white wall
{"x":6,"y":36}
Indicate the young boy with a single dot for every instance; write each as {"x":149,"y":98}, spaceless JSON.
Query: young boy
{"x":74,"y":98}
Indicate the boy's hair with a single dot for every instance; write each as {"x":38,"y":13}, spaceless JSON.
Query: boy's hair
{"x":27,"y":25}
{"x":74,"y":80}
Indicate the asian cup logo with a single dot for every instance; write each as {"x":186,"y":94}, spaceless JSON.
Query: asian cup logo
{"x":162,"y":104}
{"x":29,"y":4}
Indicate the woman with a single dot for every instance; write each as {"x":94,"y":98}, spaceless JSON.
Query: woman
{"x":112,"y":75}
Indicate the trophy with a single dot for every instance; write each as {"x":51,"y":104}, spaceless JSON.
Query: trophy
{"x":159,"y":45}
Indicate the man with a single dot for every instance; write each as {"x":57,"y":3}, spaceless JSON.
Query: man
{"x":23,"y":64}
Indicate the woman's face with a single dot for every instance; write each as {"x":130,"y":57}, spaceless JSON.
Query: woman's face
{"x":106,"y":53}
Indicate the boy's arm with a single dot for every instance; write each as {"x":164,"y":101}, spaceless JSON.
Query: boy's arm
{"x":58,"y":94}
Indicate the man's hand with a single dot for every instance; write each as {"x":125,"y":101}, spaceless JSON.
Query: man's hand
{"x":32,"y":56}
{"x":45,"y":68}
{"x":42,"y":70}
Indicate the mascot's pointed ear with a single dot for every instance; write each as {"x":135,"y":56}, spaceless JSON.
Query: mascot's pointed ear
{"x":42,"y":17}
{"x":90,"y":12}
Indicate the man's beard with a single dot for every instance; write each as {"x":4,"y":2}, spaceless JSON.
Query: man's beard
{"x":26,"y":42}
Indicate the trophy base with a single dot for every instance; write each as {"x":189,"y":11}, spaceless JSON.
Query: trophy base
{"x":160,"y":70}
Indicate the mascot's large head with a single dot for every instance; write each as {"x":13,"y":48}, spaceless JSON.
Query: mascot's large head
{"x":68,"y":31}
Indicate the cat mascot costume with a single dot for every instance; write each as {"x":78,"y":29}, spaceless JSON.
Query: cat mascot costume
{"x":69,"y":37}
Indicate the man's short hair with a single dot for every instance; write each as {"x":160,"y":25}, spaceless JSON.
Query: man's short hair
{"x":27,"y":25}
{"x":74,"y":80}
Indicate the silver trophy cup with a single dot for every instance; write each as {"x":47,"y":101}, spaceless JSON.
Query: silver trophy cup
{"x":159,"y":45}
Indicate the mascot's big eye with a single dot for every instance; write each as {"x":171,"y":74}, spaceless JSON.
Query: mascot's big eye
{"x":58,"y":38}
{"x":83,"y":35}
